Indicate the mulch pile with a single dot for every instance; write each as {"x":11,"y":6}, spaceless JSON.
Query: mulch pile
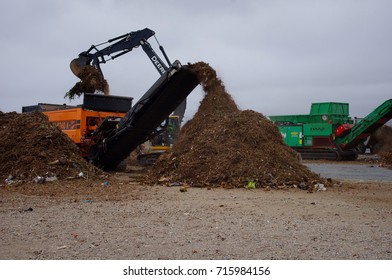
{"x":91,"y":81}
{"x":33,"y":148}
{"x":386,"y":157}
{"x":222,"y":146}
{"x":381,"y":140}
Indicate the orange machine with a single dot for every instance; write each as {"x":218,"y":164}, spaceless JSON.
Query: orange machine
{"x":79,"y":122}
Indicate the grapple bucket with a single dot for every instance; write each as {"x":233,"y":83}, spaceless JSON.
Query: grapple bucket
{"x":146,"y":115}
{"x":78,"y":64}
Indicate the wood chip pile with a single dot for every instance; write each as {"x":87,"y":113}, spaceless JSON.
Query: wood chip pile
{"x":32,"y":147}
{"x":381,"y":141}
{"x":222,"y":146}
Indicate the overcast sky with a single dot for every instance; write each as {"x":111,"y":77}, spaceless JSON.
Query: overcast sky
{"x":275,"y":57}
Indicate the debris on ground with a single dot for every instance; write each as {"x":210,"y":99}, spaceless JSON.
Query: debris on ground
{"x":91,"y":80}
{"x":222,"y":146}
{"x":33,"y":149}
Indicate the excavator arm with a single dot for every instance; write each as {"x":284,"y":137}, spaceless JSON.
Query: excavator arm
{"x":116,"y":138}
{"x":119,"y":46}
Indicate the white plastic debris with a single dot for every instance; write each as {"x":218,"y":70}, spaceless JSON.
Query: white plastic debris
{"x":39,"y":180}
{"x":9,"y":180}
{"x":320,"y":187}
{"x":51,"y":179}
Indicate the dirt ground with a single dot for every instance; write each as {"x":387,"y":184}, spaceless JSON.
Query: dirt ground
{"x":117,"y":218}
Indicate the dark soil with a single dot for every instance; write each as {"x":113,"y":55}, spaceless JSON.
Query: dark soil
{"x":381,"y":139}
{"x":381,"y":142}
{"x":224,"y":146}
{"x":31,"y":146}
{"x":91,"y":81}
{"x":386,"y":157}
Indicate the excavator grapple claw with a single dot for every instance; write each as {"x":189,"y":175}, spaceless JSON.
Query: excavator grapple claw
{"x":75,"y":67}
{"x":78,"y":64}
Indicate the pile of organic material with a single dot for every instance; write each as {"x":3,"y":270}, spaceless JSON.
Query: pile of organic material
{"x":386,"y":157}
{"x":224,"y":146}
{"x":381,"y":143}
{"x":91,"y":81}
{"x":32,"y":148}
{"x":381,"y":139}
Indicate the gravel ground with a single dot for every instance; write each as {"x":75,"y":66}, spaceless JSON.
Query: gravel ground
{"x":125,"y":220}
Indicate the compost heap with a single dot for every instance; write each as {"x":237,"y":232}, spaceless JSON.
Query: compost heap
{"x":223,"y":146}
{"x":91,"y":81}
{"x":33,"y":148}
{"x":381,"y":140}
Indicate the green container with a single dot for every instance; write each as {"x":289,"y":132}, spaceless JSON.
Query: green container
{"x":329,"y":108}
{"x":291,"y":118}
{"x":327,"y":113}
{"x":302,"y":119}
{"x":292,"y":135}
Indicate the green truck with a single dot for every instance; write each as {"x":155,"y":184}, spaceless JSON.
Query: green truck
{"x":328,"y":132}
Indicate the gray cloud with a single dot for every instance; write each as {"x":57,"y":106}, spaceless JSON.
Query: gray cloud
{"x":275,"y":57}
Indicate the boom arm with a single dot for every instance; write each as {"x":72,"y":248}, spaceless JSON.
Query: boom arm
{"x":115,"y":139}
{"x":119,"y":46}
